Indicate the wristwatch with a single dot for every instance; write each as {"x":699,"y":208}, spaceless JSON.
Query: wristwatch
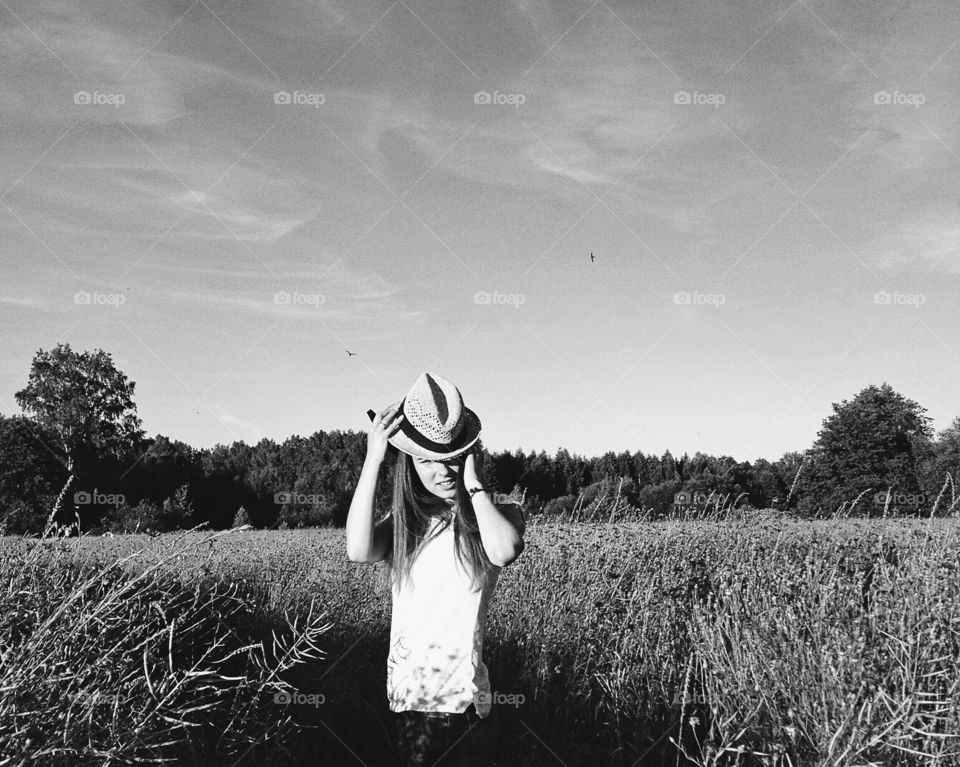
{"x":473,"y":490}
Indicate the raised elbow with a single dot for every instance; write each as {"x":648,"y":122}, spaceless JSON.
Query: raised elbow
{"x":369,"y":555}
{"x":357,"y":556}
{"x":505,"y":558}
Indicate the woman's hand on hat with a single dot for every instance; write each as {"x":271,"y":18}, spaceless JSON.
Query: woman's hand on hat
{"x":385,"y":425}
{"x":470,"y":471}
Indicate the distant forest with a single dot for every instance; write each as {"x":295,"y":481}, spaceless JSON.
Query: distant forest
{"x":78,"y":450}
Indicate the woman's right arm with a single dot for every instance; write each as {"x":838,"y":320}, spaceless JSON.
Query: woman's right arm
{"x":366,"y":542}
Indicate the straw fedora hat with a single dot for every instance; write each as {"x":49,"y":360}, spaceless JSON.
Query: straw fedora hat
{"x":436,"y":424}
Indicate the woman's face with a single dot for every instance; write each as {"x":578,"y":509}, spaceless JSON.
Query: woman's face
{"x":439,"y":477}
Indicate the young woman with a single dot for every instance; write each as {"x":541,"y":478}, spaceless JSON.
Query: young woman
{"x":444,"y":541}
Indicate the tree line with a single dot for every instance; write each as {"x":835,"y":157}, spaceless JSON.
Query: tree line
{"x":78,"y":451}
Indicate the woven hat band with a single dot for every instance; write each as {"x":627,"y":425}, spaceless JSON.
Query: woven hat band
{"x":438,"y":447}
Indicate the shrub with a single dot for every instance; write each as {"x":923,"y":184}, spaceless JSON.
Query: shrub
{"x":145,"y":517}
{"x":659,"y":498}
{"x":178,"y":511}
{"x":559,"y":507}
{"x":241,"y":518}
{"x":307,"y":515}
{"x":20,"y":517}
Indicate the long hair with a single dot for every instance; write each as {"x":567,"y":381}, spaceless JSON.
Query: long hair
{"x":413,"y":509}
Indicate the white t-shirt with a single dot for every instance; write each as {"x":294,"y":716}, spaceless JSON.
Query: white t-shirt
{"x":436,"y":634}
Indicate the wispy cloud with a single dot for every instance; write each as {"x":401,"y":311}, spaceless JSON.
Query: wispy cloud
{"x":150,"y":191}
{"x":930,"y":242}
{"x":252,"y":431}
{"x":154,"y":86}
{"x":302,"y":291}
{"x":237,"y":219}
{"x":27,"y":302}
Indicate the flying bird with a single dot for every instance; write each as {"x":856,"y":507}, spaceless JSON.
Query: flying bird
{"x":592,"y":259}
{"x":350,"y":353}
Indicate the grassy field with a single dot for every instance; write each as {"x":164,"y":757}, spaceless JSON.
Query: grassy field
{"x":753,"y":640}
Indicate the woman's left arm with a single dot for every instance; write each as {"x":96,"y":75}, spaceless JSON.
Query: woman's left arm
{"x":502,"y":535}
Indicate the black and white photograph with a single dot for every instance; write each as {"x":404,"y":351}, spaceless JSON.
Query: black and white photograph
{"x":410,"y":383}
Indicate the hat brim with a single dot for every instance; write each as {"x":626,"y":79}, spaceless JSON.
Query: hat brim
{"x":407,"y":443}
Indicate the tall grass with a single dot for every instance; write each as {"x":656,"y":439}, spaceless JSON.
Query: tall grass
{"x":747,"y":638}
{"x":613,"y":507}
{"x":757,"y":641}
{"x":104,"y":664}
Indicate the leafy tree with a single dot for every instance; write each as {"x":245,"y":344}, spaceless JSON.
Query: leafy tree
{"x":669,"y":468}
{"x":540,"y":477}
{"x":788,"y":469}
{"x":874,"y":442}
{"x":725,"y":478}
{"x":224,"y":485}
{"x":163,"y":467}
{"x":644,"y":469}
{"x":87,"y":404}
{"x":570,"y":473}
{"x":178,"y":511}
{"x":30,"y":474}
{"x":659,"y":497}
{"x":944,"y":460}
{"x":766,"y":488}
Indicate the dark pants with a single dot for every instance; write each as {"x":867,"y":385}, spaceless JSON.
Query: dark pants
{"x":426,"y":739}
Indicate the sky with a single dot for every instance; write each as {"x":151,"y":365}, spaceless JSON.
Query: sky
{"x":613,"y":225}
